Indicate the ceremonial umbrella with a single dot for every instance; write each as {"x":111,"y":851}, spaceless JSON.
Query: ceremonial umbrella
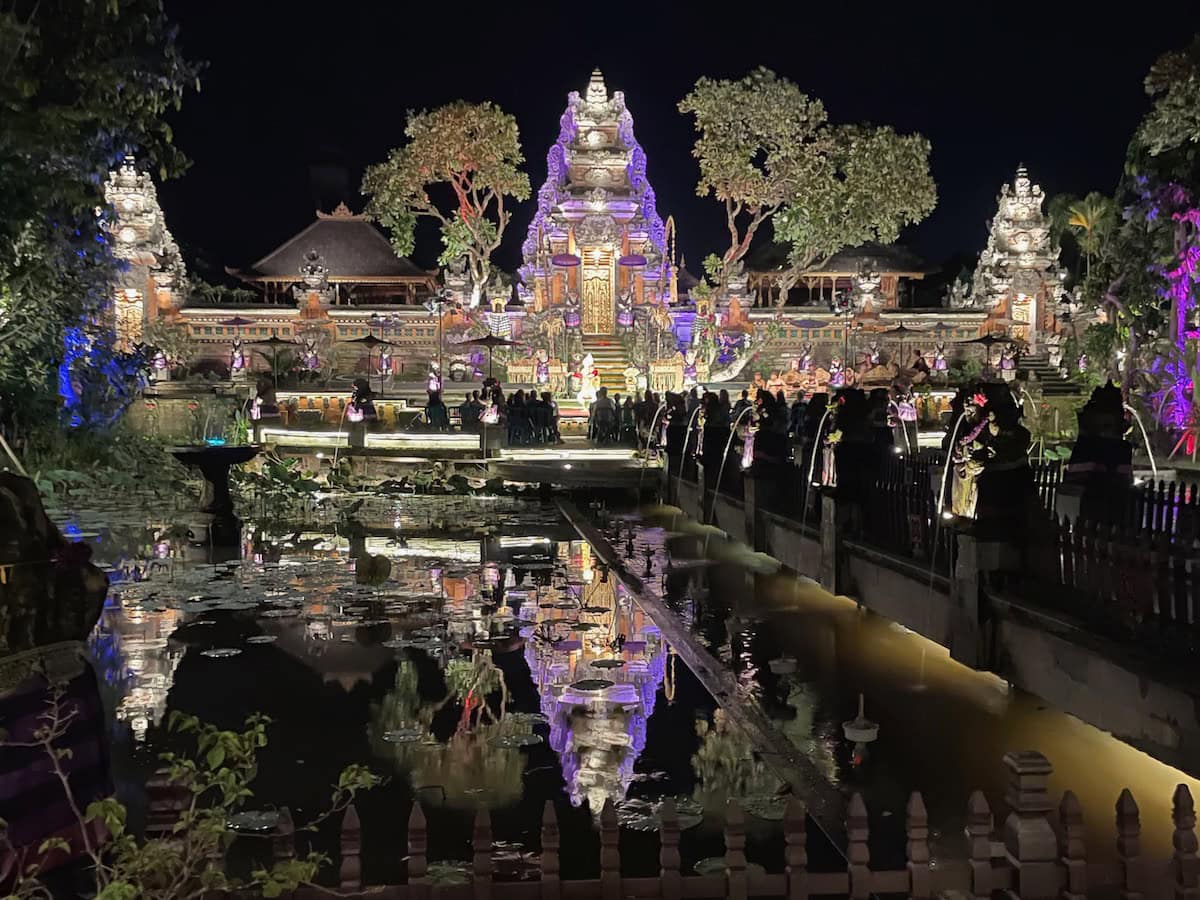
{"x":491,"y":342}
{"x":988,"y":341}
{"x":901,"y":332}
{"x":371,"y":342}
{"x":274,"y":342}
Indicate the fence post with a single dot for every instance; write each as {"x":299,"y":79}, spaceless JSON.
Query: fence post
{"x":350,"y":874}
{"x":481,"y":862}
{"x":610,"y":853}
{"x":668,"y":851}
{"x":963,"y":625}
{"x":551,"y":887}
{"x":735,"y":851}
{"x":916,"y":829}
{"x":418,"y":886}
{"x":1072,"y":847}
{"x":795,"y":849}
{"x":1129,"y":846}
{"x":979,"y":845}
{"x":1029,"y":841}
{"x":1183,"y":861}
{"x":858,"y":854}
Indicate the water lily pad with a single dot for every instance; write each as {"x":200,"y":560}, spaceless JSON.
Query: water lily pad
{"x":516,"y":740}
{"x":408,"y":734}
{"x":261,"y":639}
{"x":589,"y":685}
{"x":715,"y":865}
{"x":608,"y":663}
{"x":220,"y":652}
{"x":253,"y":820}
{"x":596,"y":610}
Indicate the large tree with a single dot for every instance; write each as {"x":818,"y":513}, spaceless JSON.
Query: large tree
{"x":1146,"y":276}
{"x":768,"y":153}
{"x":82,"y":82}
{"x":474,"y":149}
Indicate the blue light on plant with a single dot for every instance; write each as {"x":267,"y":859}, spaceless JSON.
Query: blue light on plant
{"x":215,"y":441}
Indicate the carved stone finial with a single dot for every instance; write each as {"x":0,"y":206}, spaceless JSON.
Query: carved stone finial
{"x":597,"y":91}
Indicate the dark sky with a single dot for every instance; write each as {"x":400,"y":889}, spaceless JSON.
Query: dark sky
{"x":1055,"y":85}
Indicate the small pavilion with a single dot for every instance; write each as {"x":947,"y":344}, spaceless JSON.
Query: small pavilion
{"x":346,"y":255}
{"x":819,"y":284}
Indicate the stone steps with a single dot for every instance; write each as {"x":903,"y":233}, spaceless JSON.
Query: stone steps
{"x":610,"y":359}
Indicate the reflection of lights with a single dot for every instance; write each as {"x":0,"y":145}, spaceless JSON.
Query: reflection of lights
{"x":566,"y":465}
{"x":514,"y":542}
{"x":458,"y":441}
{"x":947,"y":515}
{"x":435,"y":548}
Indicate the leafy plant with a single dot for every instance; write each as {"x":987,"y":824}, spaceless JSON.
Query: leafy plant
{"x":187,"y":863}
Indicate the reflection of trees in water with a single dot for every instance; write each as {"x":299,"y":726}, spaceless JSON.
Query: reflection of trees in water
{"x":799,"y":729}
{"x":474,"y":765}
{"x":726,"y":767}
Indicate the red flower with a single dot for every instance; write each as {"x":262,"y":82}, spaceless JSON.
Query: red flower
{"x":979,"y":400}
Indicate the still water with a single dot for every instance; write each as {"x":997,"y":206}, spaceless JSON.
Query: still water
{"x":489,"y":598}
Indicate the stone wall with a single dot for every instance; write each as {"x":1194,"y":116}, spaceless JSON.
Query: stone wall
{"x":1048,"y":656}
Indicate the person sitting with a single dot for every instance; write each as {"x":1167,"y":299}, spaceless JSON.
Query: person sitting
{"x":435,"y":412}
{"x":468,"y":413}
{"x":603,"y":418}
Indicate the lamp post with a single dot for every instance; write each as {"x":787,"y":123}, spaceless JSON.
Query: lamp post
{"x":436,"y":305}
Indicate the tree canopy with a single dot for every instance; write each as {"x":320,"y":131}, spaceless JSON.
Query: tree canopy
{"x":475,"y":150}
{"x":767,"y":152}
{"x":84,"y":82}
{"x":1174,"y":83}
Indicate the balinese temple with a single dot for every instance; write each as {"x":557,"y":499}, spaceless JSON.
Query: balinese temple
{"x":1018,"y":281}
{"x":335,"y":282}
{"x":353,"y":261}
{"x":817,"y":286}
{"x":152,"y":270}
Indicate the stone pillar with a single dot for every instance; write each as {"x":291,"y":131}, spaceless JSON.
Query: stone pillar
{"x":1030,"y":844}
{"x":832,"y":575}
{"x":753,"y":522}
{"x":964,"y":637}
{"x":702,"y":492}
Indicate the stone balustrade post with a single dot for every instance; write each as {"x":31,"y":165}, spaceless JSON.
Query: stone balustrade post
{"x":833,"y":574}
{"x":750,"y":504}
{"x":550,"y":883}
{"x":418,"y":863}
{"x":1030,"y":844}
{"x":668,"y":853}
{"x":964,"y":637}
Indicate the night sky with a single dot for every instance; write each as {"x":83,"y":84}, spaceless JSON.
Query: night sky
{"x":295,"y":93}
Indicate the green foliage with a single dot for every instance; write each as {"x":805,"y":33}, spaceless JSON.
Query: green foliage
{"x":175,"y":342}
{"x":277,"y":480}
{"x":768,"y":153}
{"x":68,"y":464}
{"x":187,"y":864}
{"x":83,"y":82}
{"x":1174,"y":120}
{"x":864,"y":184}
{"x":1087,"y":222}
{"x":474,"y":149}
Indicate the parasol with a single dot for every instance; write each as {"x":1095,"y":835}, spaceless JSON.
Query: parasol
{"x":988,"y":341}
{"x":491,"y":342}
{"x":370,"y":342}
{"x":274,"y":342}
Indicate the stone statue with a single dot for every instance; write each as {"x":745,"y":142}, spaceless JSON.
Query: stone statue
{"x":385,"y":361}
{"x":805,"y":362}
{"x":940,"y":363}
{"x":872,"y":356}
{"x":689,"y":367}
{"x":311,"y":359}
{"x":237,"y":358}
{"x":837,"y":374}
{"x":1099,"y":474}
{"x":1054,"y":350}
{"x":1008,"y":362}
{"x":542,"y":367}
{"x":433,"y":381}
{"x":589,"y":379}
